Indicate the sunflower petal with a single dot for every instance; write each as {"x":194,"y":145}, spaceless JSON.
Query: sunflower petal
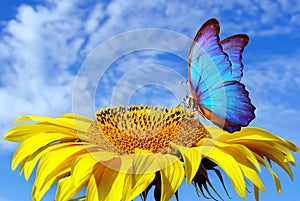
{"x":21,"y":132}
{"x":82,"y":166}
{"x":60,"y":122}
{"x":92,"y":188}
{"x":111,"y":182}
{"x":53,"y":166}
{"x":192,"y":159}
{"x":274,"y":175}
{"x":136,"y":184}
{"x":66,"y":190}
{"x":231,"y":167}
{"x":34,"y":143}
{"x":77,"y":117}
{"x":139,"y":175}
{"x":272,"y":153}
{"x":246,"y":165}
{"x":171,"y":177}
{"x":33,"y":159}
{"x":241,"y":149}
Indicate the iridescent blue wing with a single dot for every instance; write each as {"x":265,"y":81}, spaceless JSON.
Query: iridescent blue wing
{"x":238,"y":110}
{"x":234,"y":46}
{"x":208,"y":64}
{"x":221,"y":99}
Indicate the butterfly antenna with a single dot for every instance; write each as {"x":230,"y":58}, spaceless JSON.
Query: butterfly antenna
{"x":185,"y":85}
{"x":184,"y":101}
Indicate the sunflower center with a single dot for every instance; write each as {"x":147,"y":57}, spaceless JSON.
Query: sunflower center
{"x":123,"y":129}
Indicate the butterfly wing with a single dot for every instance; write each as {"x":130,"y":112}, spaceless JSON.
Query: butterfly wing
{"x":207,"y":63}
{"x":230,"y":112}
{"x":221,"y":99}
{"x":234,"y":46}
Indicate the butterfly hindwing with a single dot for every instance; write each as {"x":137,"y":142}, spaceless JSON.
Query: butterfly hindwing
{"x":214,"y":86}
{"x":238,"y":112}
{"x":234,"y":47}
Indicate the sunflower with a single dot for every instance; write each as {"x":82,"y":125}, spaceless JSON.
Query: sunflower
{"x":126,"y":151}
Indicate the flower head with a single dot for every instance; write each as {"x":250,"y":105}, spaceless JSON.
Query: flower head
{"x":124,"y":129}
{"x":126,"y":150}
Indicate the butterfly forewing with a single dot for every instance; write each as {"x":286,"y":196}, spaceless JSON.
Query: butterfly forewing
{"x":208,"y":65}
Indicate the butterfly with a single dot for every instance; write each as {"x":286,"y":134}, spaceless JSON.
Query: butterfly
{"x":214,"y":72}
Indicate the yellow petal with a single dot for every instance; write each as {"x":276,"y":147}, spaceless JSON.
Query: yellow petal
{"x":34,"y":143}
{"x":22,"y":132}
{"x":33,"y":159}
{"x":246,"y":165}
{"x":171,"y":177}
{"x":272,"y":153}
{"x":110,"y":186}
{"x":92,"y":193}
{"x":82,"y":166}
{"x":61,"y":122}
{"x":241,"y":149}
{"x":53,"y":166}
{"x":258,"y":134}
{"x":39,"y":191}
{"x":136,"y":184}
{"x":192,"y":159}
{"x":22,"y":165}
{"x":66,"y":190}
{"x":275,"y":177}
{"x":77,"y":117}
{"x":230,"y":166}
{"x":139,"y":175}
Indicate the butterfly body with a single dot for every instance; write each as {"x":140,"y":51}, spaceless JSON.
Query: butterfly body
{"x":215,"y":70}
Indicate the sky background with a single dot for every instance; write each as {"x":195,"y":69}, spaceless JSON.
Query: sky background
{"x":45,"y":46}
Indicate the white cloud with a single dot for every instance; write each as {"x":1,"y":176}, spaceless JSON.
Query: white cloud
{"x":255,"y":18}
{"x":275,"y":73}
{"x":39,"y":48}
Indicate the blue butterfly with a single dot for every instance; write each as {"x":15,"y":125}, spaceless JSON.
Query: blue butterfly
{"x":214,"y":72}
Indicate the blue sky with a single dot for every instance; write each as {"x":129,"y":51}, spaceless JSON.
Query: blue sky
{"x":46,"y":46}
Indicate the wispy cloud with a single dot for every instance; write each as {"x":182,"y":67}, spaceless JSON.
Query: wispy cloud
{"x":38,"y":51}
{"x":273,"y":82}
{"x":275,"y":73}
{"x":253,"y":17}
